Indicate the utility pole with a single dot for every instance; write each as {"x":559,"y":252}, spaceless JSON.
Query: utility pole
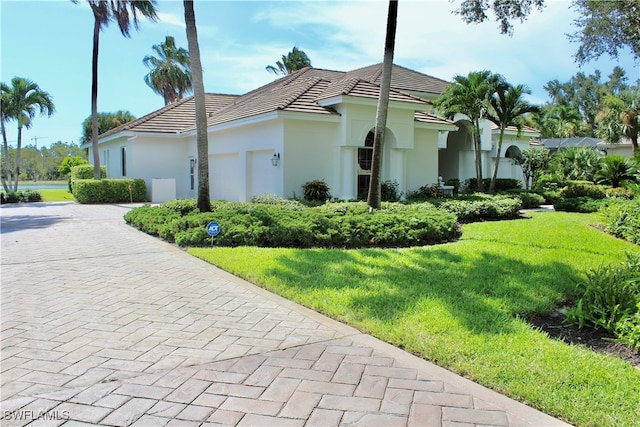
{"x":36,"y":138}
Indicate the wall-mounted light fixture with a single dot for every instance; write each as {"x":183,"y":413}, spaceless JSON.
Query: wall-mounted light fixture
{"x":275,"y":160}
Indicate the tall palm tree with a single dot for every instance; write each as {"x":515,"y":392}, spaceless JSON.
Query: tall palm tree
{"x":469,"y":95}
{"x":620,"y":118}
{"x":507,"y":109}
{"x":20,"y":102}
{"x":4,"y":100}
{"x":293,"y":61}
{"x":170,"y":75}
{"x":374,"y":197}
{"x":202,"y":140}
{"x":105,"y":11}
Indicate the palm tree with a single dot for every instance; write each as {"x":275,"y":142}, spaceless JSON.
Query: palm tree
{"x":4,"y":100}
{"x":469,"y":95}
{"x":293,"y":61}
{"x":374,"y":197}
{"x":507,"y":109}
{"x":20,"y":102}
{"x":563,"y":121}
{"x":620,"y":118}
{"x":170,"y":75}
{"x":105,"y":11}
{"x":202,"y":141}
{"x":615,"y":169}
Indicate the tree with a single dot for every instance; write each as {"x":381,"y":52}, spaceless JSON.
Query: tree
{"x":105,"y":11}
{"x":20,"y":102}
{"x":293,"y":61}
{"x":585,"y":93}
{"x":558,"y":121}
{"x":614,"y":170}
{"x":69,"y":162}
{"x":579,"y":163}
{"x":507,"y":109}
{"x":374,"y":197}
{"x":170,"y":75}
{"x":620,"y":117}
{"x":202,"y":141}
{"x":532,"y":161}
{"x":606,"y":27}
{"x":475,"y":11}
{"x":470,"y":95}
{"x":106,"y":122}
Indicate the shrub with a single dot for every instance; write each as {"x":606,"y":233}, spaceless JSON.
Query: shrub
{"x":182,"y":206}
{"x":622,"y":219}
{"x":502,"y":184}
{"x":109,"y":190}
{"x":455,"y":183}
{"x":427,"y":192}
{"x":349,"y":225}
{"x":628,"y":329}
{"x":583,"y":189}
{"x":619,"y":193}
{"x":316,"y":190}
{"x":483,"y":207}
{"x":272,"y":199}
{"x":84,"y":172}
{"x":23,"y":196}
{"x":529,"y":199}
{"x":579,"y":204}
{"x":609,"y":296}
{"x":390,"y":191}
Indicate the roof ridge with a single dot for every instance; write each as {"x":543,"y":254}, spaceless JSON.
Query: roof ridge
{"x":306,"y":85}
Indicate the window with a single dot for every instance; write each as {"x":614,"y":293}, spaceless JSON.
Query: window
{"x":192,"y":173}
{"x":365,"y":157}
{"x":123,"y":158}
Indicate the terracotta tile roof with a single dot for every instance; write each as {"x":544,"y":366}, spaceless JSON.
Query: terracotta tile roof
{"x":175,"y":117}
{"x":300,"y":91}
{"x":430,"y":118}
{"x":515,"y":129}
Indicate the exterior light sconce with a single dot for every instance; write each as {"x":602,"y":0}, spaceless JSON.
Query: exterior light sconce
{"x":275,"y":160}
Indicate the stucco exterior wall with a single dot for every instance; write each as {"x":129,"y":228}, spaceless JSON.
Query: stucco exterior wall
{"x":422,"y":161}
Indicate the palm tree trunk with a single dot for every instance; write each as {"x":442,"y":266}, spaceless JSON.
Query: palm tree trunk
{"x":94,"y":100}
{"x":496,"y":163}
{"x":477,"y":156}
{"x":204,"y":202}
{"x":374,"y":197}
{"x":18,"y":147}
{"x":6,"y":179}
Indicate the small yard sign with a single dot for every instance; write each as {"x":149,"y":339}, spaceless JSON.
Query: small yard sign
{"x":213,"y":228}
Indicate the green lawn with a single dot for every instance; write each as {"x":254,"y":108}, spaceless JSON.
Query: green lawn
{"x":56,"y":195}
{"x":461,"y":306}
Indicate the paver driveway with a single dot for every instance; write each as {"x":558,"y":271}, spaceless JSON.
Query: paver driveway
{"x":102,"y":324}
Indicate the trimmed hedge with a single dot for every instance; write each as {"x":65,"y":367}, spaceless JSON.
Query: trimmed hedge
{"x":480,"y":206}
{"x":583,"y":189}
{"x":109,"y":190}
{"x":22,"y":196}
{"x":580,"y":204}
{"x":84,"y":172}
{"x":348,"y":225}
{"x":502,"y":184}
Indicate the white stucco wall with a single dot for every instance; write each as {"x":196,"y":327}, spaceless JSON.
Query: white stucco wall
{"x":422,"y":161}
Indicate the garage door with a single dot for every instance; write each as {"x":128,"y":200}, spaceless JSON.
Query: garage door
{"x":262,"y":173}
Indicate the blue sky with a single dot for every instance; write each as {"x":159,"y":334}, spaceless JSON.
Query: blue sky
{"x":49,"y":42}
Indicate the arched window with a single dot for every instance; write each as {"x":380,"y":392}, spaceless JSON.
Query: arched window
{"x":365,"y":156}
{"x":512,"y":152}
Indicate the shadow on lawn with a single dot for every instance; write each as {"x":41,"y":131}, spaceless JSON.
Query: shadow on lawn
{"x":484,"y":296}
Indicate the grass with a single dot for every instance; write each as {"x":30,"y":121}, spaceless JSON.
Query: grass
{"x":56,"y":195}
{"x":462,"y":305}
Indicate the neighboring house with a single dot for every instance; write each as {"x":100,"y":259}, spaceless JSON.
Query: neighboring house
{"x":623,"y":148}
{"x":311,"y":124}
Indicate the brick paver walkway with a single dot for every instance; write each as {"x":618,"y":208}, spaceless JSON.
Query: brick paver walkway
{"x":104,"y":325}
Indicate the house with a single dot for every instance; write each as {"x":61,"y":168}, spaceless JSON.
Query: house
{"x":311,"y":124}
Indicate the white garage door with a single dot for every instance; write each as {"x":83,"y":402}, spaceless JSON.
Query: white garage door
{"x":261,"y":173}
{"x":224,"y":176}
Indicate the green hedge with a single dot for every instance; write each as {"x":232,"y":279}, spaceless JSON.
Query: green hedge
{"x":580,"y":204}
{"x":84,"y":172}
{"x":22,"y":196}
{"x":109,"y":190}
{"x":502,"y":184}
{"x":349,"y":225}
{"x":480,"y":206}
{"x":622,"y":219}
